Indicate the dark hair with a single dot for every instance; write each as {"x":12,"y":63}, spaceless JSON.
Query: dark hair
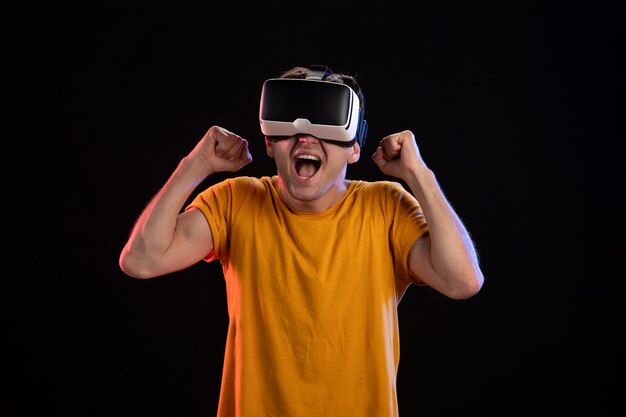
{"x":336,"y":77}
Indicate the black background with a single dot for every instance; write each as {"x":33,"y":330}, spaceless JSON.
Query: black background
{"x":517,"y":107}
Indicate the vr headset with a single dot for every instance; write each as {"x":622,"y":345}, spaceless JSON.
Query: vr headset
{"x":327,"y":110}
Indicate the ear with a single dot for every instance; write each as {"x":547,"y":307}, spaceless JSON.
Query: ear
{"x":269,"y":147}
{"x":355,"y":153}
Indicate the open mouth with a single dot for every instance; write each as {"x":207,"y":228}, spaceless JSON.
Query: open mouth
{"x":307,"y":165}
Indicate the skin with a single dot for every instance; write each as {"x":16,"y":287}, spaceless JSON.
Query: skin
{"x":445,"y":258}
{"x":164,"y":240}
{"x":326,"y":186}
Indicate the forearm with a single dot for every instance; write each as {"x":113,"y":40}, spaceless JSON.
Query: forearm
{"x":451,"y":252}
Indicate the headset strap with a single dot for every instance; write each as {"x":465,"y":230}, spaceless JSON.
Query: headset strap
{"x":319,"y":72}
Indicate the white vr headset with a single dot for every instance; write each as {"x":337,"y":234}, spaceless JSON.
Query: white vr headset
{"x":327,"y":110}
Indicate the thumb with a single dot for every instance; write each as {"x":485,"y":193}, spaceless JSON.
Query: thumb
{"x":379,"y":158}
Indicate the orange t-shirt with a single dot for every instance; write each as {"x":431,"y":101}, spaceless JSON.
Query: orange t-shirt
{"x":312,"y":297}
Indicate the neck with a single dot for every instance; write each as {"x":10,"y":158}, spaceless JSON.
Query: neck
{"x":314,"y":203}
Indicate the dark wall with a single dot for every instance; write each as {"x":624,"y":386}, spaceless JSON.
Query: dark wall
{"x":515,"y":106}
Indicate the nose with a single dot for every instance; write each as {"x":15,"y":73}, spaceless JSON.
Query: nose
{"x":307,"y":139}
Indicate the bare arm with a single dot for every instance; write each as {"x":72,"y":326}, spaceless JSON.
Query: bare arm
{"x":164,"y":240}
{"x":445,"y":258}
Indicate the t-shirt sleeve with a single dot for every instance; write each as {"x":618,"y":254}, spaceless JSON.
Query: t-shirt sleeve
{"x":216,"y":203}
{"x":408,"y":225}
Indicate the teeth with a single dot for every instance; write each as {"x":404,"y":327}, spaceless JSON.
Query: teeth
{"x":310,"y":157}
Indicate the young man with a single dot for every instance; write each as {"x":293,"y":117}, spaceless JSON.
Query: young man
{"x":315,"y":264}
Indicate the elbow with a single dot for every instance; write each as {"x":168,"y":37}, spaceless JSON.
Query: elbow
{"x":135,"y":273}
{"x":468,"y":285}
{"x":132,"y":268}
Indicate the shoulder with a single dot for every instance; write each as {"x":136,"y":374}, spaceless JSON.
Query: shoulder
{"x":387,"y":195}
{"x":234,"y":189}
{"x":251,"y":190}
{"x":246,"y":182}
{"x":378,"y":188}
{"x":243,"y":184}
